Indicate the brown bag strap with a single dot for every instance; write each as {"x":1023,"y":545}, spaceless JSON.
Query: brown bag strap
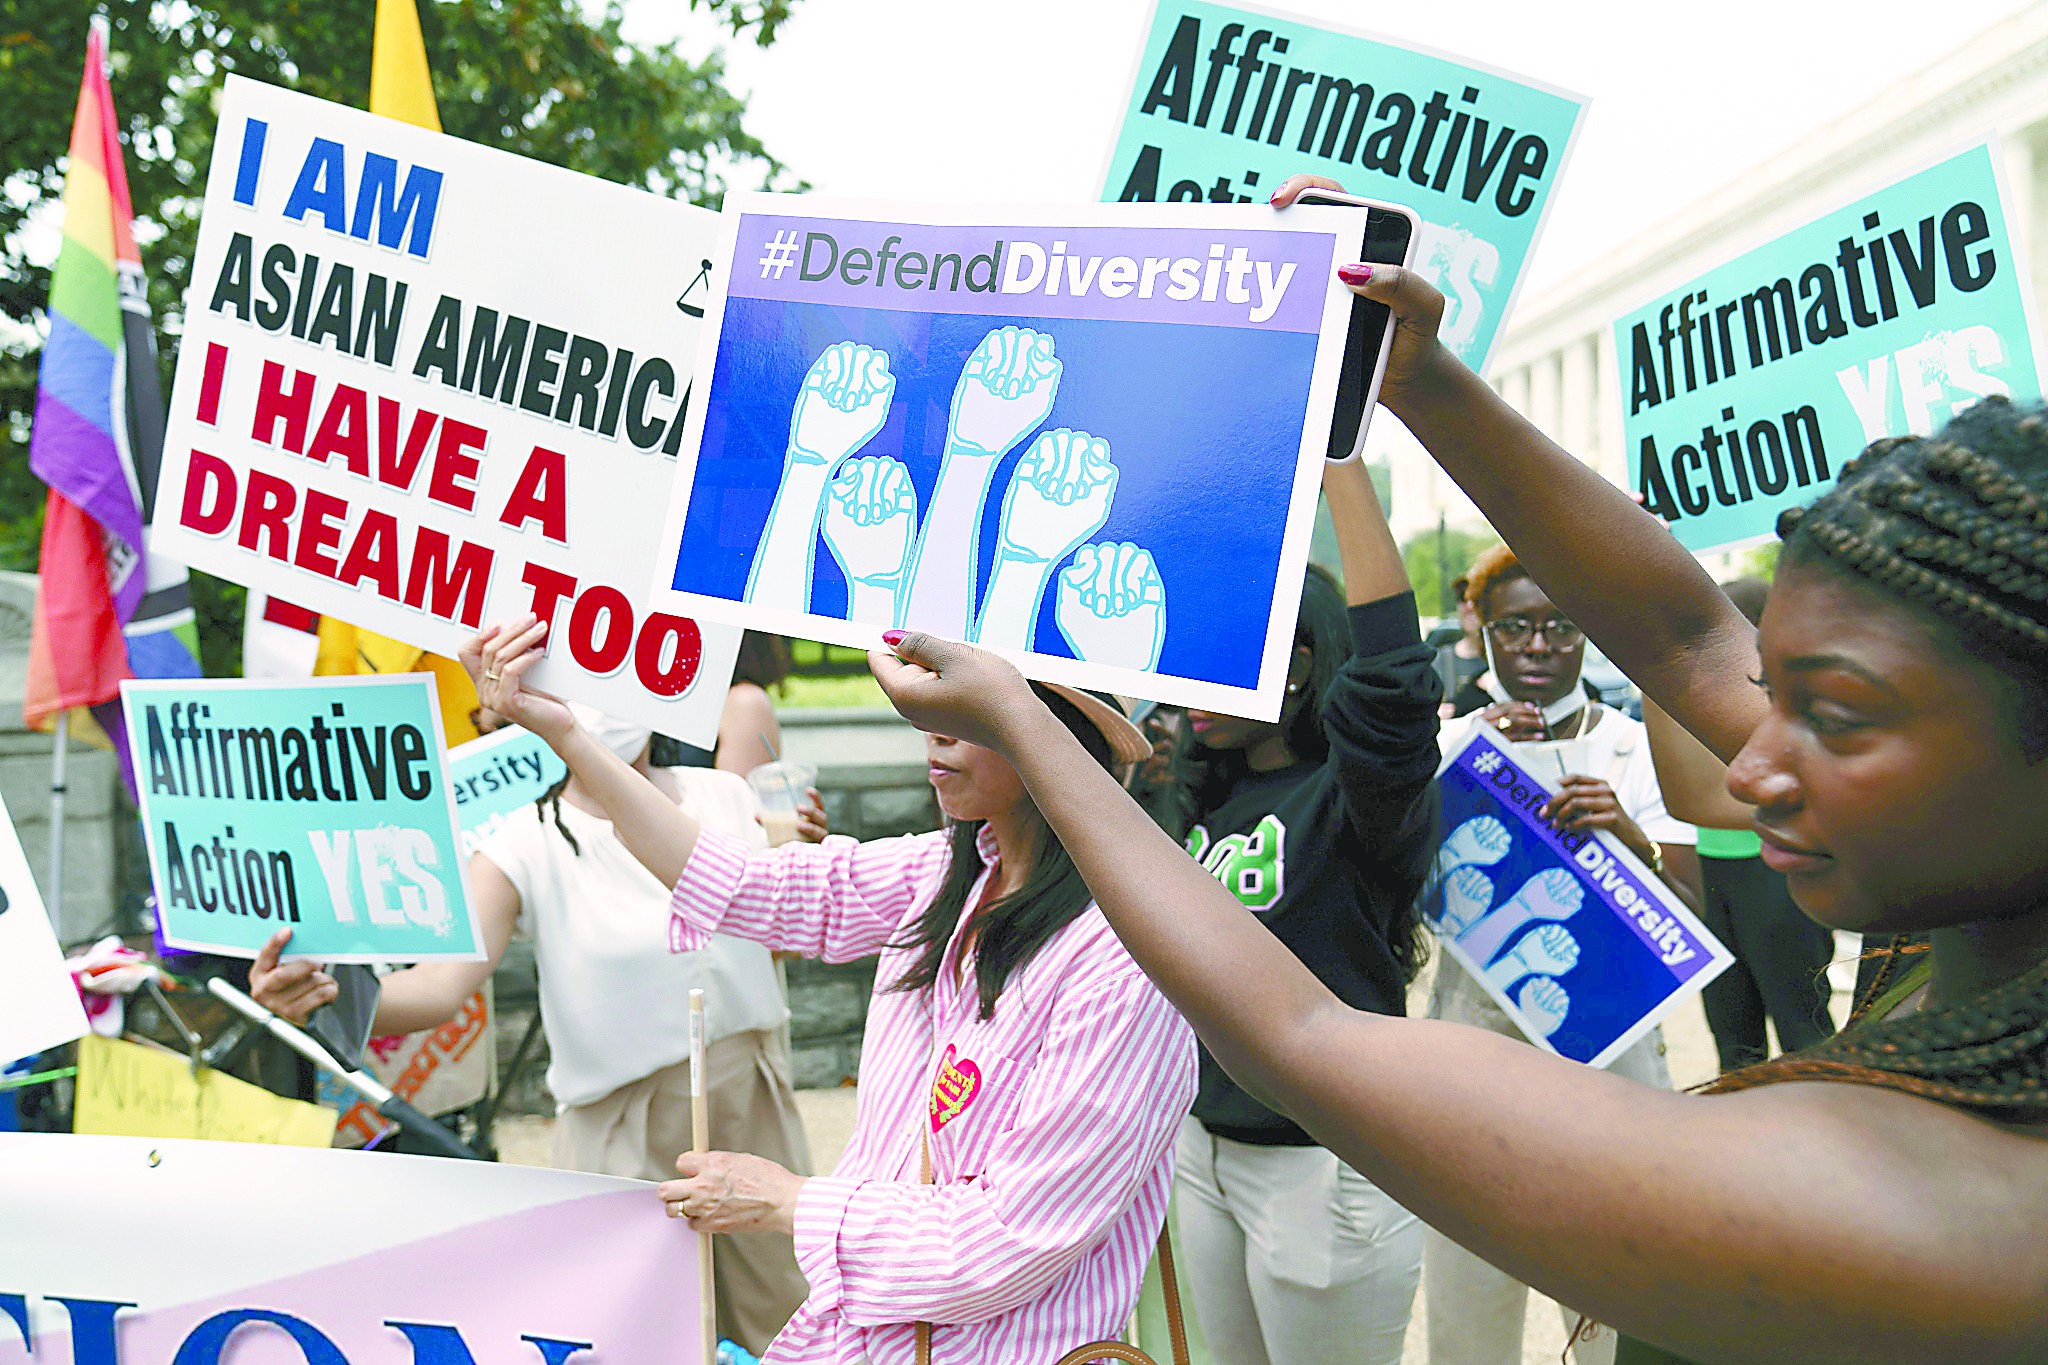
{"x":1169,"y":1282}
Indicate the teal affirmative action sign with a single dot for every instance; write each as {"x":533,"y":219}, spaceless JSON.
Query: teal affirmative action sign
{"x":322,"y":806}
{"x":1230,"y":100}
{"x":1746,"y":390}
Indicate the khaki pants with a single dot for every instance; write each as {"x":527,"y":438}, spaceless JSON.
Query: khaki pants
{"x":1475,"y":1312}
{"x":639,"y":1129}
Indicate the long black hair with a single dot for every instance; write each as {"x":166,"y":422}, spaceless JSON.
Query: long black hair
{"x":1015,"y":926}
{"x":1207,"y":776}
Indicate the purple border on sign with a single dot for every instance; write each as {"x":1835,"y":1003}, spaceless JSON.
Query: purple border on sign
{"x":1524,"y":808}
{"x":773,"y":252}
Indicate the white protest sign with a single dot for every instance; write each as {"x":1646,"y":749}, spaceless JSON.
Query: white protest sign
{"x":425,"y":385}
{"x":38,"y":1004}
{"x":392,"y":1259}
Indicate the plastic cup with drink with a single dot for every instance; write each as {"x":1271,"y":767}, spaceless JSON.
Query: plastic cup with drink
{"x":781,"y":786}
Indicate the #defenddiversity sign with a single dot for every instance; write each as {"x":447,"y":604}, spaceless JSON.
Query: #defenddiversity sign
{"x":1230,"y":100}
{"x":427,"y":385}
{"x":1087,"y":437}
{"x":1750,"y":387}
{"x":322,"y":806}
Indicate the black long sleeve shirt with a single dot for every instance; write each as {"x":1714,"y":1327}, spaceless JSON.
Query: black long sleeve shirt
{"x":1329,"y":855}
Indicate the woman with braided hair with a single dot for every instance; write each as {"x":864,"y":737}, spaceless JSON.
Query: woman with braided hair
{"x":1878,"y":1197}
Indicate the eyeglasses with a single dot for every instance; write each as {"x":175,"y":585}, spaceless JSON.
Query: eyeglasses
{"x":1513,"y":632}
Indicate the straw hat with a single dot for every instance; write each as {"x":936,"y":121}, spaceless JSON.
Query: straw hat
{"x":1127,"y":744}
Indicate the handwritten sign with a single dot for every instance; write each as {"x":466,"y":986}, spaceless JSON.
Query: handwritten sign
{"x":128,"y":1090}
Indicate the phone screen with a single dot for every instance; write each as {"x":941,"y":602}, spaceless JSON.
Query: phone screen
{"x":1386,"y":243}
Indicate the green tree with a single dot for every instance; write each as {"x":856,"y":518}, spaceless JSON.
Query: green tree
{"x":1455,"y":552}
{"x":547,"y":79}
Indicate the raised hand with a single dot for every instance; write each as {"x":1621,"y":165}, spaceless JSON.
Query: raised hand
{"x":291,"y":990}
{"x":1112,"y":606}
{"x":1547,"y":950}
{"x":1544,"y":1005}
{"x":1467,"y":896}
{"x":843,"y":402}
{"x":1553,"y":895}
{"x":498,"y":659}
{"x":1005,"y":389}
{"x":955,"y":689}
{"x":1058,"y":496}
{"x":870,"y":518}
{"x":1481,"y":841}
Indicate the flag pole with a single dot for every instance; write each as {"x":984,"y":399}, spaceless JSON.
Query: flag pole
{"x":54,"y":888}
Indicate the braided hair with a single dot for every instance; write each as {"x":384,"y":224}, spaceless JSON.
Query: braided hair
{"x":1955,"y":526}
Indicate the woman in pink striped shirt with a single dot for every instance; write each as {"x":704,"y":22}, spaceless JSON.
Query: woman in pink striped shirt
{"x":1012,"y":1044}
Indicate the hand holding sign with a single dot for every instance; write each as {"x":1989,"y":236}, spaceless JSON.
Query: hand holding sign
{"x":870,"y":520}
{"x":1112,"y":606}
{"x":498,"y":660}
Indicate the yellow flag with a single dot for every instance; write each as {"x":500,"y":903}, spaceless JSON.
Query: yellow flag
{"x":400,"y":86}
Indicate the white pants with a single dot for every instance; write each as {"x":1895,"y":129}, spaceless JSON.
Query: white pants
{"x":1290,"y":1256}
{"x":1475,"y":1312}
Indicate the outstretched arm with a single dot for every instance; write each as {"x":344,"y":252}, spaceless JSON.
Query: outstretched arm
{"x":1568,"y":525}
{"x":658,"y":832}
{"x":1812,"y":1222}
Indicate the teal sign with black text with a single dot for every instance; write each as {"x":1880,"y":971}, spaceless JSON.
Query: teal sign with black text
{"x":1745,"y":391}
{"x":321,"y":806}
{"x":1230,"y":100}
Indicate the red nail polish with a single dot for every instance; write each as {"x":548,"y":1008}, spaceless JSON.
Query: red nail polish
{"x":892,"y":638}
{"x":1273,"y":198}
{"x":1360,"y":273}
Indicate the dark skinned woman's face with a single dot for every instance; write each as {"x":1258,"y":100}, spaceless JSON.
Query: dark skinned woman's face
{"x":1539,"y":669}
{"x":1888,"y":778}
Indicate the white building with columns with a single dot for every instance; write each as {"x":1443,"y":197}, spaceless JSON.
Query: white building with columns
{"x":1556,"y":363}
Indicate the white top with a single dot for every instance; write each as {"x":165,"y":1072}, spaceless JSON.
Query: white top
{"x":1614,"y":748}
{"x":614,"y":1000}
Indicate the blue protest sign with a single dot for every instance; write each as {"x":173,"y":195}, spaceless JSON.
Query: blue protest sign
{"x":1584,"y":947}
{"x":1086,"y":437}
{"x":494,"y":776}
{"x":1230,"y":100}
{"x":1748,"y":388}
{"x":322,"y":806}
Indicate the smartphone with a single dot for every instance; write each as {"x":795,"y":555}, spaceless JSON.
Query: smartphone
{"x":1390,"y":232}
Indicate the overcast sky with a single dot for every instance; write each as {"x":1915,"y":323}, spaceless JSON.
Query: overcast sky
{"x":973,"y":101}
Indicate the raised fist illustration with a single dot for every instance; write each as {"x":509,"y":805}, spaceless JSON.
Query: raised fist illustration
{"x":1005,"y":389}
{"x":1544,"y":1004}
{"x":1549,"y":895}
{"x":870,"y":520}
{"x":1548,"y":950}
{"x":1112,"y":606}
{"x":843,"y":403}
{"x":1467,"y":896}
{"x":1481,"y":841}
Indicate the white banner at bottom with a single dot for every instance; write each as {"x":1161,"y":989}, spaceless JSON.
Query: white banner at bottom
{"x":134,"y":1251}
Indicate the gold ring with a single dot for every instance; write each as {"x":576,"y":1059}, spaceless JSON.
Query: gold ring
{"x":492,"y":676}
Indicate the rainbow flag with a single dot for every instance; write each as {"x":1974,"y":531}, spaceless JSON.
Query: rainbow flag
{"x":106,"y":610}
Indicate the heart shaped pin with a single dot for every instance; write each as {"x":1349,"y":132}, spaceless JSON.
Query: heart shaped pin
{"x":953,"y":1089}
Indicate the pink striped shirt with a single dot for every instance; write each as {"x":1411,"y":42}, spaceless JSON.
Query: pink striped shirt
{"x":1051,"y":1124}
